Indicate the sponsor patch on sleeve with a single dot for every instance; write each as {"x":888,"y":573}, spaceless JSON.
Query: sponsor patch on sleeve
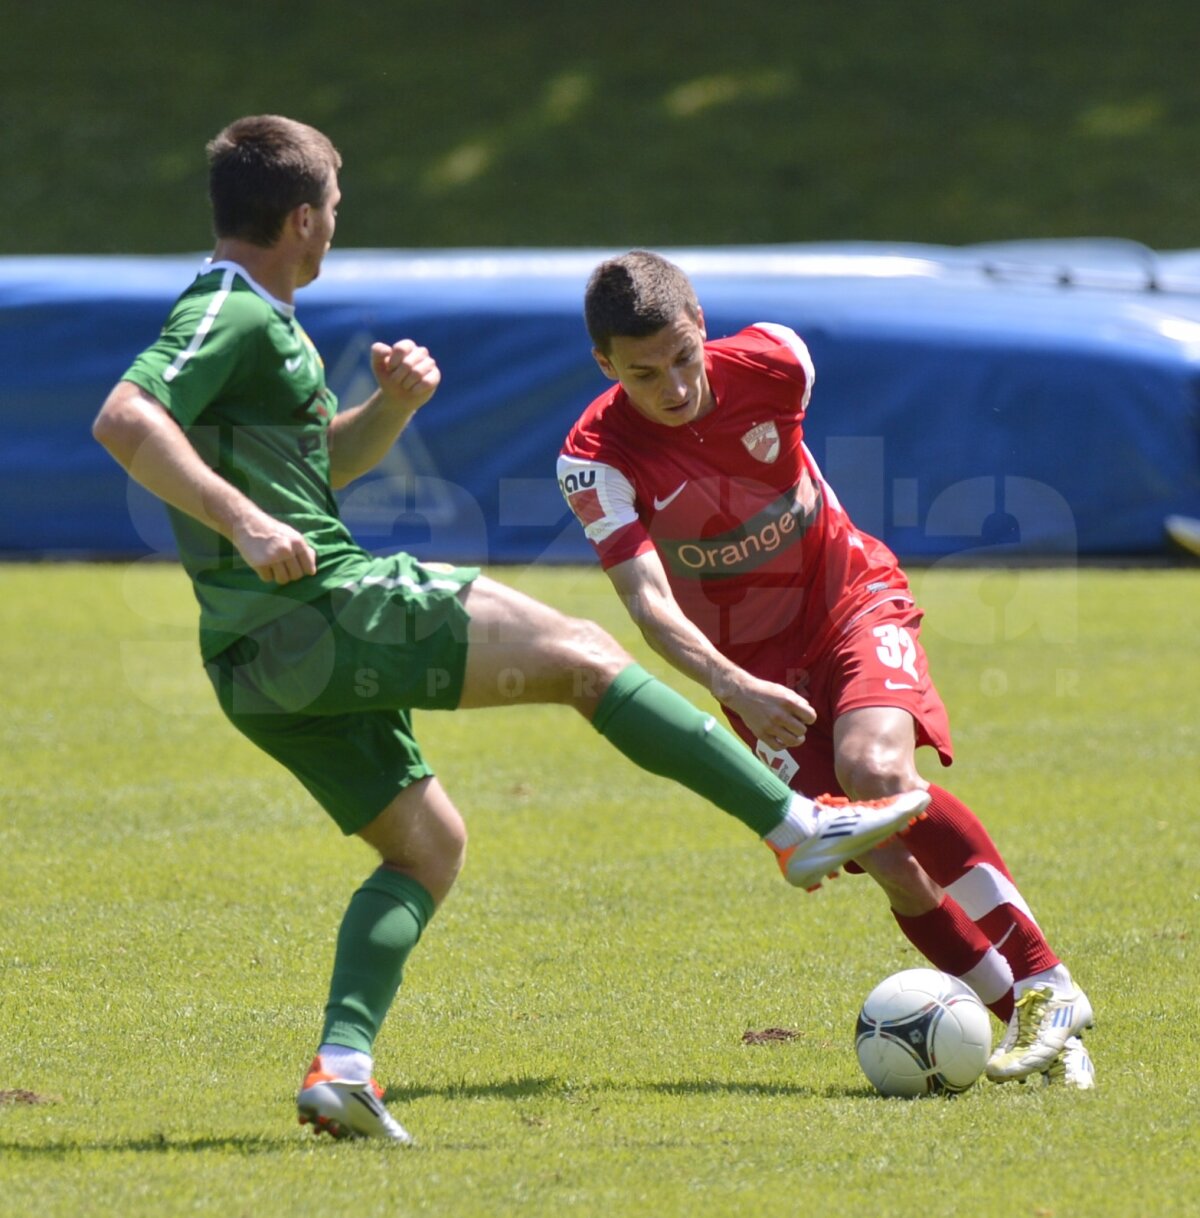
{"x":600,"y":496}
{"x":586,"y":505}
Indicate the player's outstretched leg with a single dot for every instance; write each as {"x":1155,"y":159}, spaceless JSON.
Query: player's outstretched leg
{"x":523,"y":651}
{"x":665,"y":734}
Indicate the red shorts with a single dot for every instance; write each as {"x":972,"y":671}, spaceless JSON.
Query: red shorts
{"x":878,"y":661}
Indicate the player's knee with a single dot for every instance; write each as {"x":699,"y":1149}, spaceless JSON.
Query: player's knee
{"x":421,"y":834}
{"x":591,"y":660}
{"x":455,"y":856}
{"x":874,"y":769}
{"x":453,"y":845}
{"x":437,"y":861}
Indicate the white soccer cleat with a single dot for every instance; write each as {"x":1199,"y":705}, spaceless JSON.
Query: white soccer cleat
{"x":1038,"y":1032}
{"x":844,"y":830}
{"x":345,"y":1109}
{"x":1072,"y":1067}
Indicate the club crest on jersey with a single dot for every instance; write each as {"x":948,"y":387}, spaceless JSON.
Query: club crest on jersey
{"x":762,"y":442}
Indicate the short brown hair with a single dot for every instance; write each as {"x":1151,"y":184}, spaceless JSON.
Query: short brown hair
{"x":261,"y":168}
{"x":634,"y":296}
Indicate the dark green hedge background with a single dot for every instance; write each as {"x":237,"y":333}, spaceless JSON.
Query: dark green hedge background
{"x":630,"y":122}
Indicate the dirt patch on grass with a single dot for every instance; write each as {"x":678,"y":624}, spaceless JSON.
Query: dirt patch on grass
{"x":20,"y":1096}
{"x":768,"y":1036}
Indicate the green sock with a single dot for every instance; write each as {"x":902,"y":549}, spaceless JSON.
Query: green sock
{"x":664,"y":733}
{"x":381,"y":926}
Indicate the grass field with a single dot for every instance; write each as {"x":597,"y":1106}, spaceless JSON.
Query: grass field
{"x":569,"y":1038}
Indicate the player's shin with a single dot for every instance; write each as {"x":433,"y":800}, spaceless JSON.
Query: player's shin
{"x":381,"y":926}
{"x":952,"y":943}
{"x":662,"y":732}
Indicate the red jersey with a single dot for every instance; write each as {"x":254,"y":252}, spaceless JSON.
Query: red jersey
{"x":759,"y":553}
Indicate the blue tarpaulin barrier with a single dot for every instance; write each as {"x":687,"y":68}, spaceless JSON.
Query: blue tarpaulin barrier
{"x":1040,"y":398}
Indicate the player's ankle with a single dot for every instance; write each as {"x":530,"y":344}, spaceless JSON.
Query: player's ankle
{"x":350,"y":1064}
{"x":796,"y":826}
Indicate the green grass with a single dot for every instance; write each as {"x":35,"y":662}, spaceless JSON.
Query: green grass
{"x":554,"y":123}
{"x":569,"y":1036}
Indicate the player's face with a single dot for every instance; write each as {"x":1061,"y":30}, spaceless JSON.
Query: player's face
{"x":663,"y":374}
{"x":322,"y":221}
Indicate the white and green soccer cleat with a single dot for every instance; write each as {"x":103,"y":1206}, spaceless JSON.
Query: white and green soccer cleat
{"x":1040,"y":1028}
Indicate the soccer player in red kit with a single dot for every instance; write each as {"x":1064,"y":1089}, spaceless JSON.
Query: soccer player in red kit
{"x":732,"y":553}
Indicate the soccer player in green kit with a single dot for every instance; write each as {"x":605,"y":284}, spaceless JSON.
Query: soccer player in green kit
{"x":228,"y":420}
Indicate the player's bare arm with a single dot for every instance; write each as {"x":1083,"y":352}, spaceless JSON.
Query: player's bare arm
{"x":139,"y":433}
{"x":775,"y":714}
{"x":361,"y":437}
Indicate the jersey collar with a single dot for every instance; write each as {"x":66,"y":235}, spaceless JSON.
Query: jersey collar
{"x":225,"y":264}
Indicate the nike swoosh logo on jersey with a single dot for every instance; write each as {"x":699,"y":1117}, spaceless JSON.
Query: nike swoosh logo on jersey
{"x":293,"y":364}
{"x":659,"y":504}
{"x":890,"y":684}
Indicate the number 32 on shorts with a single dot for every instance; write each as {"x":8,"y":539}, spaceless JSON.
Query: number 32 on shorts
{"x":897,"y":649}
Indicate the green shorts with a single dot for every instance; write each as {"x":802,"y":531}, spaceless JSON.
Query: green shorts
{"x":327,"y":689}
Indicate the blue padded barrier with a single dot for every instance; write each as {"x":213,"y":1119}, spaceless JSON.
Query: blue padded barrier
{"x":1033,"y":398}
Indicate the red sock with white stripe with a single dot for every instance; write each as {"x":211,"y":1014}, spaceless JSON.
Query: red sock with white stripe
{"x":1019,"y":937}
{"x":955,"y":849}
{"x":950,"y":941}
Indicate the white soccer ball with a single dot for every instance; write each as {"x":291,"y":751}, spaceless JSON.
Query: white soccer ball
{"x":922,"y":1032}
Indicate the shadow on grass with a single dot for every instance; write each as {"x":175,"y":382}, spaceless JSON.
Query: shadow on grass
{"x":509,"y":1089}
{"x":704,"y":1087}
{"x":159,"y":1144}
{"x":524,"y":1088}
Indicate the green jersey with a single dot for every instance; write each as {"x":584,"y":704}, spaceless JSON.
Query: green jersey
{"x":237,"y":372}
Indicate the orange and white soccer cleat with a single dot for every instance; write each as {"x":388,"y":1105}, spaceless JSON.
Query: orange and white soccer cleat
{"x":345,"y":1109}
{"x":844,"y":829}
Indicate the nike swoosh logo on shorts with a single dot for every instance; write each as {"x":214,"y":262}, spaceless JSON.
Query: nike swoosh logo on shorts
{"x":890,"y":684}
{"x":293,"y":364}
{"x":659,"y":504}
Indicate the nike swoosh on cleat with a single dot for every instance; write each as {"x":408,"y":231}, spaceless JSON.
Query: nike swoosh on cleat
{"x":659,"y":504}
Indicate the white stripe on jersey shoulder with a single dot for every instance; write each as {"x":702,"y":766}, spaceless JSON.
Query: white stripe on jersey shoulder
{"x":206,"y":324}
{"x":229,"y":270}
{"x":790,"y":338}
{"x":601,"y":497}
